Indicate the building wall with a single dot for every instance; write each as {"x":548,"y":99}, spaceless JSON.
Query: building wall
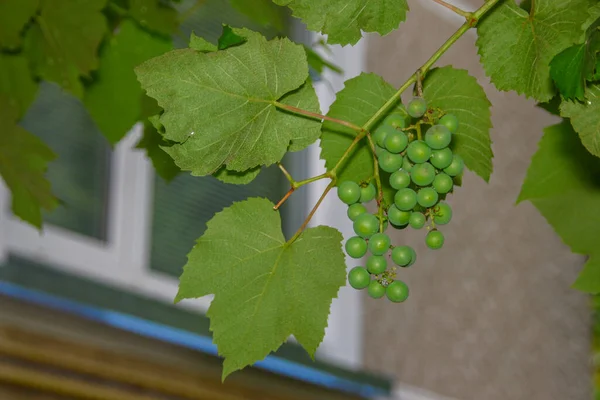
{"x":491,"y":315}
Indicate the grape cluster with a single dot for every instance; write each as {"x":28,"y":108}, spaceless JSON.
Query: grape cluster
{"x":422,"y":171}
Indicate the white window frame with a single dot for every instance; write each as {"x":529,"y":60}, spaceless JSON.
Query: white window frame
{"x":123,"y":259}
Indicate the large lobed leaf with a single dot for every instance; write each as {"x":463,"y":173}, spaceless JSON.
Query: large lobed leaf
{"x":16,"y":83}
{"x":265,"y":289}
{"x":14,"y":15}
{"x":263,"y":12}
{"x":360,"y":99}
{"x":23,"y":162}
{"x":113,"y":99}
{"x":585,"y":118}
{"x":563,"y":183}
{"x":343,"y":20}
{"x":220,"y":106}
{"x":63,"y":44}
{"x":156,"y":15}
{"x":517,"y":46}
{"x":457,"y":92}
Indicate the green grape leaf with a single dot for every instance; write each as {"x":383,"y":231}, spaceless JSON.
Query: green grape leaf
{"x":343,"y":20}
{"x":563,"y":183}
{"x":263,"y":12}
{"x":516,"y":46}
{"x":200,"y":44}
{"x":14,"y":15}
{"x":457,"y":92}
{"x":318,"y":63}
{"x":23,"y":162}
{"x":221,"y":109}
{"x":152,"y":142}
{"x":63,"y":45}
{"x":230,"y":38}
{"x":113,"y":99}
{"x":585,"y":118}
{"x":155,"y":15}
{"x":360,"y":99}
{"x":589,"y":278}
{"x":265,"y":289}
{"x":16,"y":82}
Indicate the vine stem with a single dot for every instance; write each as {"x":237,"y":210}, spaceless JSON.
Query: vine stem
{"x":315,"y":115}
{"x":364,"y":130}
{"x":377,"y":183}
{"x":455,"y":9}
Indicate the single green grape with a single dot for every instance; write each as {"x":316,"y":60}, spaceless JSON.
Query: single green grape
{"x":442,"y":213}
{"x":366,"y":225}
{"x":376,"y":289}
{"x":443,"y":183}
{"x":355,"y":210}
{"x":438,"y":137}
{"x":349,"y":192}
{"x":396,"y":119}
{"x":396,"y":142}
{"x":404,"y":256}
{"x":367,"y":193}
{"x":417,"y":107}
{"x":379,"y":244}
{"x":441,"y":158}
{"x":456,"y":167}
{"x":423,"y":174}
{"x":376,"y":265}
{"x":389,"y":162}
{"x":356,"y":247}
{"x":397,"y":292}
{"x":427,"y":197}
{"x":407,"y":165}
{"x":400,"y":179}
{"x":381,"y":133}
{"x":398,"y":217}
{"x":418,"y":151}
{"x":449,"y":121}
{"x":417,"y":220}
{"x":434,"y":240}
{"x":405,"y":199}
{"x":359,"y":278}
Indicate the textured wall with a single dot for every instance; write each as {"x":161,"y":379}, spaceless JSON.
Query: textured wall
{"x":491,"y":315}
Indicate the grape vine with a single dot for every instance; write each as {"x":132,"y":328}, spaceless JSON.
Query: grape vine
{"x":228,"y":109}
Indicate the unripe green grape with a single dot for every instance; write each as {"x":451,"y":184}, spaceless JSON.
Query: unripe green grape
{"x":381,"y":133}
{"x":417,"y":220}
{"x":367,"y":193}
{"x":449,"y":121}
{"x":356,"y":247}
{"x":366,"y":225}
{"x":349,"y":192}
{"x":405,"y":199}
{"x":396,"y":119}
{"x":389,"y":162}
{"x":397,"y":292}
{"x":400,"y":179}
{"x":456,"y":167}
{"x":438,"y":137}
{"x":407,"y":165}
{"x":376,"y":265}
{"x":396,"y":142}
{"x":434,"y":240}
{"x":442,"y":213}
{"x":441,"y":158}
{"x":376,"y":290}
{"x":355,"y":210}
{"x":443,"y":183}
{"x":418,"y":151}
{"x":379,"y":244}
{"x":423,"y":174}
{"x":404,"y":256}
{"x":417,"y":107}
{"x":398,"y":217}
{"x":359,"y":278}
{"x":427,"y":197}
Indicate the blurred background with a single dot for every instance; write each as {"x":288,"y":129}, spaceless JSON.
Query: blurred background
{"x":86,"y":307}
